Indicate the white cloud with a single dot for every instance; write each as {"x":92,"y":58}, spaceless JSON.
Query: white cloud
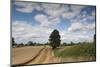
{"x":90,"y":26}
{"x":92,"y":16}
{"x":53,"y":10}
{"x":53,"y":14}
{"x":75,"y":37}
{"x":26,"y":32}
{"x":68,"y":15}
{"x":27,"y":7}
{"x":45,"y":21}
{"x":83,"y":23}
{"x":72,"y":11}
{"x":76,"y":7}
{"x":77,"y":26}
{"x":51,"y":6}
{"x":93,"y":13}
{"x":55,"y":21}
{"x":42,"y":19}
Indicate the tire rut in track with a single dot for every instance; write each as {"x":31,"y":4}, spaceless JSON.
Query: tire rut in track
{"x":46,"y":56}
{"x":50,"y":58}
{"x":40,"y":58}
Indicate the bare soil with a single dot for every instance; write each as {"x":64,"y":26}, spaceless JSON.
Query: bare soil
{"x":22,"y":55}
{"x":46,"y":56}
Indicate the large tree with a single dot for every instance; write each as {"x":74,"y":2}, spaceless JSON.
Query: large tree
{"x":54,"y":39}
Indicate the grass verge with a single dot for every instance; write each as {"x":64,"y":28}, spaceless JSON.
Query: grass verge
{"x":83,"y":50}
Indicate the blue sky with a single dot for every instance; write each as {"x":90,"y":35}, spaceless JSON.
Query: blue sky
{"x":35,"y":21}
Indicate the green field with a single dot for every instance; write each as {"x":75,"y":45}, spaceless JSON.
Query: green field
{"x":81,"y":50}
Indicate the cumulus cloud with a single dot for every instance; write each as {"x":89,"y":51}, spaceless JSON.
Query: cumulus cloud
{"x":77,"y":26}
{"x":83,"y":22}
{"x":26,"y":7}
{"x":53,"y":10}
{"x":72,"y":11}
{"x":42,"y":19}
{"x":21,"y":30}
{"x":46,"y":21}
{"x":48,"y":17}
{"x":75,"y":37}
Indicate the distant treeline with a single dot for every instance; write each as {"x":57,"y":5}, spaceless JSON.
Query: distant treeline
{"x":30,"y":43}
{"x":54,"y":41}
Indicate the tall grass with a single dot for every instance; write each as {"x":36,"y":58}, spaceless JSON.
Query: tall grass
{"x":86,"y":49}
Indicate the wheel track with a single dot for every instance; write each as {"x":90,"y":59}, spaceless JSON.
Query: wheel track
{"x":40,"y":58}
{"x":45,"y":56}
{"x":49,"y":56}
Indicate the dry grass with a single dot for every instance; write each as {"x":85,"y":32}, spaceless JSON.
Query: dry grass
{"x":77,"y":53}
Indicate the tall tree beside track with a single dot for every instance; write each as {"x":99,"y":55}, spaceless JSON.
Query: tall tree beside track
{"x":54,"y":39}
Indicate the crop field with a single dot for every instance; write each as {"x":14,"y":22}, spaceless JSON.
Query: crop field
{"x":44,"y":54}
{"x":76,"y":53}
{"x":24,"y":54}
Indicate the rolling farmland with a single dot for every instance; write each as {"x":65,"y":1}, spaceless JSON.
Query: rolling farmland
{"x":33,"y":55}
{"x":44,"y":54}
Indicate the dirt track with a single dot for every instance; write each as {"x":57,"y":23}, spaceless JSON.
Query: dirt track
{"x":46,"y":56}
{"x":33,"y":55}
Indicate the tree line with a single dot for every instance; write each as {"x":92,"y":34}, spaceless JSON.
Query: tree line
{"x":29,"y":43}
{"x":54,"y":41}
